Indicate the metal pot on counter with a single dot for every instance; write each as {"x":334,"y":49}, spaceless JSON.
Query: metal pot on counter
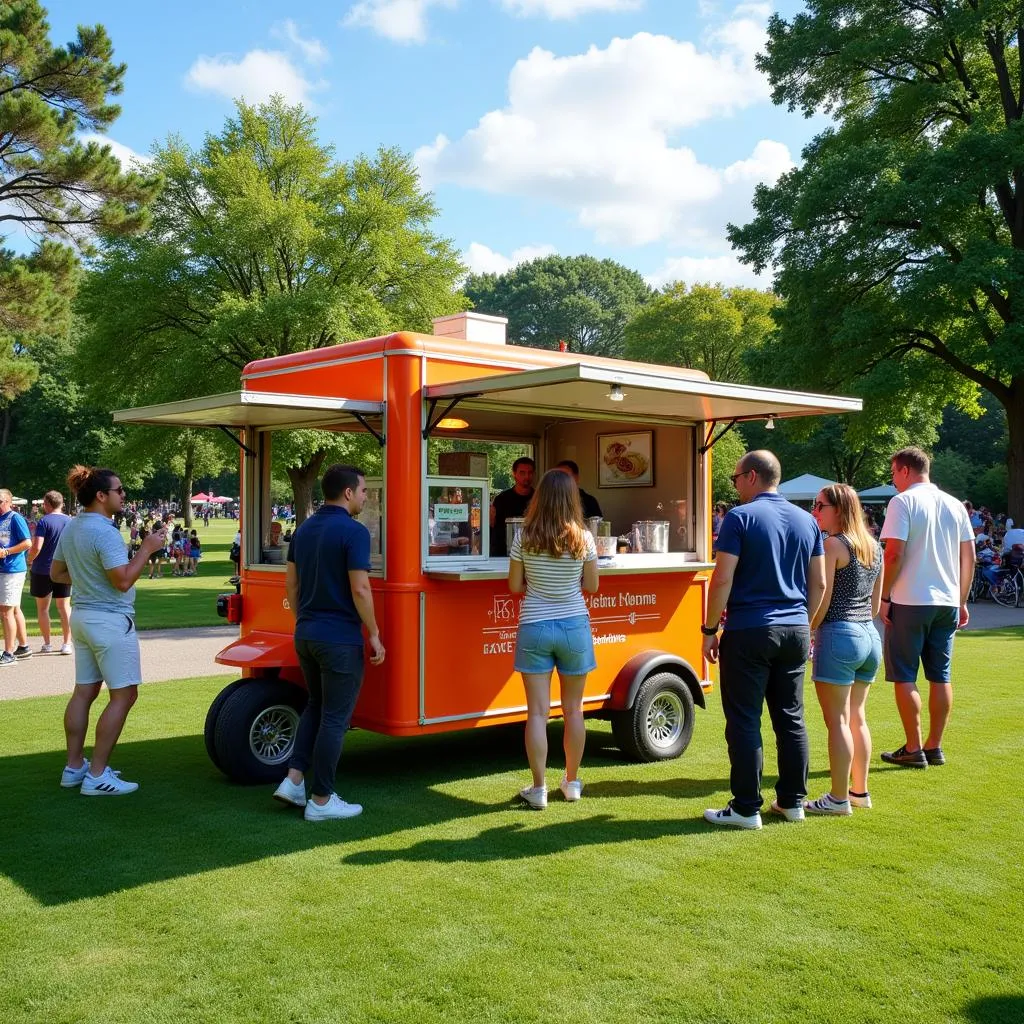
{"x":650,"y":537}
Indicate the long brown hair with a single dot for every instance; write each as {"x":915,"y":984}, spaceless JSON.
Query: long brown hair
{"x":843,"y":498}
{"x":554,"y":518}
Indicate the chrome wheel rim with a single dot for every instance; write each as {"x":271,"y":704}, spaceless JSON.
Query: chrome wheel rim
{"x":272,"y":734}
{"x":665,"y":719}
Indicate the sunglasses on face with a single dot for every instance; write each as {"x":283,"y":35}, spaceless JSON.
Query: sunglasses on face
{"x":819,"y":505}
{"x":115,"y":490}
{"x":735,"y":476}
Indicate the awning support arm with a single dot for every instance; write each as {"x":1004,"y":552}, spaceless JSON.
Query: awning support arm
{"x":710,"y":441}
{"x":362,"y":419}
{"x":241,"y":444}
{"x":431,"y":422}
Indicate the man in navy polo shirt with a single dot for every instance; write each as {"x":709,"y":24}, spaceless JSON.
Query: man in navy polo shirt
{"x":328,"y":586}
{"x":770,"y":578}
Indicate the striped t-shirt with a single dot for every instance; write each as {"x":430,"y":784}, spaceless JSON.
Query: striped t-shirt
{"x":552,"y":584}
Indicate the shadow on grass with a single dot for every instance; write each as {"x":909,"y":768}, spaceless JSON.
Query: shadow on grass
{"x":187,"y":818}
{"x":996,"y":1010}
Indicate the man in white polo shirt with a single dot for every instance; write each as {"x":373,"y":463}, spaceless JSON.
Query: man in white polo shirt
{"x":929,"y":565}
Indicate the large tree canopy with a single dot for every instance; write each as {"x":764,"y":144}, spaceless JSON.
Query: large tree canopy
{"x":899,"y":242}
{"x":580,"y":300}
{"x":261,"y":244}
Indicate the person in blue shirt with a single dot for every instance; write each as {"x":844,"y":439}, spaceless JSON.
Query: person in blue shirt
{"x":40,"y":555}
{"x":15,"y":540}
{"x":328,"y":585}
{"x":769,"y":578}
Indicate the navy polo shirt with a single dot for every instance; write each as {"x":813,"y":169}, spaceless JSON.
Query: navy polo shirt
{"x":324,"y":549}
{"x":774,"y":541}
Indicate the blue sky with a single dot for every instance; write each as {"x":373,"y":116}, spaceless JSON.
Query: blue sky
{"x":629,"y":129}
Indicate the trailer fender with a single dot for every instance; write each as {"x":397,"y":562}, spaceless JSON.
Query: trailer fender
{"x":642,"y":665}
{"x":260,"y":653}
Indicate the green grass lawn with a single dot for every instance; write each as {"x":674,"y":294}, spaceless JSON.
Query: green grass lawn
{"x":199,"y":901}
{"x":173,"y":602}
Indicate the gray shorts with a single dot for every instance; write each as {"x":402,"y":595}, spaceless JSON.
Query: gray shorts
{"x":919,"y":634}
{"x":106,"y":648}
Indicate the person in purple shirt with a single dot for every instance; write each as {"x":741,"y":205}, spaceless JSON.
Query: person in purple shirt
{"x":769,"y":578}
{"x":42,"y":588}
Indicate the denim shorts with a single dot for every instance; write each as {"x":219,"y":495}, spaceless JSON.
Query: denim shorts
{"x":106,"y":648}
{"x":565,"y":644}
{"x":920,"y":633}
{"x":846,"y":653}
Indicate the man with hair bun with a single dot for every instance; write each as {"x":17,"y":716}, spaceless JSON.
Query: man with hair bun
{"x":91,"y":555}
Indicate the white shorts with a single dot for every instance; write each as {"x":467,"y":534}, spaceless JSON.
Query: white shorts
{"x":11,"y":586}
{"x":106,"y":648}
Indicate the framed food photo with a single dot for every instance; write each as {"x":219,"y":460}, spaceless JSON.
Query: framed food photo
{"x":625,"y":460}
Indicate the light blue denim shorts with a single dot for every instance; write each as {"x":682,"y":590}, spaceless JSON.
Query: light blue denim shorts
{"x":846,"y":653}
{"x":106,"y":648}
{"x":565,"y":644}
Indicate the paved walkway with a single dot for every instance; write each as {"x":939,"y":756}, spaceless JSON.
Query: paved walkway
{"x":166,"y":654}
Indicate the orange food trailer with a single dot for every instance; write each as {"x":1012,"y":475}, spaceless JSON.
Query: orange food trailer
{"x":642,"y":437}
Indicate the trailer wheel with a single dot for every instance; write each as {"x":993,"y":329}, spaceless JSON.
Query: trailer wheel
{"x":255,"y":732}
{"x":210,"y":729}
{"x":659,"y":725}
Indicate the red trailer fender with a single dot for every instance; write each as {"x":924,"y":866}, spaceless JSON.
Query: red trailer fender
{"x":260,"y":651}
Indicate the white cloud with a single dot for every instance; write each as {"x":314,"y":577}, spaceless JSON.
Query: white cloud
{"x":560,"y":9}
{"x":312,"y":50}
{"x":256,"y":77}
{"x":724,"y":270}
{"x":402,"y":21}
{"x":599,"y":133}
{"x":124,"y":153}
{"x":482,"y":260}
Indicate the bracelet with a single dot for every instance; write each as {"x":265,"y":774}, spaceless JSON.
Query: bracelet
{"x":887,"y":600}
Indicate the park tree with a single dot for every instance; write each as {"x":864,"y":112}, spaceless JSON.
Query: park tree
{"x":580,"y":300}
{"x":262,"y":243}
{"x":899,"y":242}
{"x":54,"y":189}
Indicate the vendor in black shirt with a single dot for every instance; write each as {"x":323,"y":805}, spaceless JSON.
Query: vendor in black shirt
{"x":511,"y":504}
{"x":589,"y":502}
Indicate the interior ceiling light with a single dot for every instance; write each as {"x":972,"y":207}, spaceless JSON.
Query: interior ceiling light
{"x":452,"y":423}
{"x":616,"y":394}
{"x":769,"y":424}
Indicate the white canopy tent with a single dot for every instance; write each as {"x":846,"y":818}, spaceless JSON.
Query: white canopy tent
{"x":804,"y":487}
{"x":878,"y":495}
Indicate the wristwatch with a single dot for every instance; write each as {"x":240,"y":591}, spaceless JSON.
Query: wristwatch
{"x":709,"y":630}
{"x":887,"y":600}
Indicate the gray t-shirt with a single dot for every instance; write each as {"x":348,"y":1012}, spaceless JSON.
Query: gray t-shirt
{"x":90,"y":545}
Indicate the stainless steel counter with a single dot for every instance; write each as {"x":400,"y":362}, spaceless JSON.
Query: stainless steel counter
{"x":619,"y":565}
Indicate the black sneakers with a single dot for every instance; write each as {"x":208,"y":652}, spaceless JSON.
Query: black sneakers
{"x":906,"y":758}
{"x":22,"y":652}
{"x":935,"y":755}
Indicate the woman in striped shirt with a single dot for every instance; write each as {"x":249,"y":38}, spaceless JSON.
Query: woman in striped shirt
{"x":553,"y":560}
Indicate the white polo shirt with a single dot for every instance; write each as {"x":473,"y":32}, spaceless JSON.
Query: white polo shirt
{"x":933,"y":524}
{"x":1011,"y":537}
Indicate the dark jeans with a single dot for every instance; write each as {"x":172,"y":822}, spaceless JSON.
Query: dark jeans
{"x":334,"y":674}
{"x":761,"y":666}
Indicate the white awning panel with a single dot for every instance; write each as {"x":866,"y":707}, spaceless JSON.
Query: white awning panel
{"x":582,"y":390}
{"x":251,"y":409}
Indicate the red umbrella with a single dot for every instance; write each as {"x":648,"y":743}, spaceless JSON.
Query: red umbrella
{"x":200,"y":498}
{"x":220,"y":500}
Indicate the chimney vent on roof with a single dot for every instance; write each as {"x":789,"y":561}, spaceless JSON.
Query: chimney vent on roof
{"x":472,"y":327}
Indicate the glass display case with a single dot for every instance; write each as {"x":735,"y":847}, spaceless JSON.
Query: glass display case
{"x":457,"y":518}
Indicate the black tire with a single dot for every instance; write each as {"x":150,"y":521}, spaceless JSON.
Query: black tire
{"x":1005,"y":592}
{"x":659,"y":726}
{"x":209,"y":730}
{"x":255,"y":731}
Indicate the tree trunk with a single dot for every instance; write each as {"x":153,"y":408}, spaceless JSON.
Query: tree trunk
{"x":1015,"y":461}
{"x":186,"y":482}
{"x":303,"y":478}
{"x":6,"y":435}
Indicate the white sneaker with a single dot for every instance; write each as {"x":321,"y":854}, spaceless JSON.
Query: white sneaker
{"x":71,"y":778}
{"x":334,"y":808}
{"x":66,"y":649}
{"x":571,"y":790}
{"x":46,"y":649}
{"x":827,"y":804}
{"x":292,"y":793}
{"x":109,"y":783}
{"x":860,"y":801}
{"x":728,"y":817}
{"x":535,"y":797}
{"x":789,"y":813}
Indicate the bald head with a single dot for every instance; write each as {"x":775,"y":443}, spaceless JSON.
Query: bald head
{"x":764,"y":464}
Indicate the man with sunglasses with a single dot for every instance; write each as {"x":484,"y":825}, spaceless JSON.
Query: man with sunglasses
{"x":770,"y":576}
{"x":91,"y":555}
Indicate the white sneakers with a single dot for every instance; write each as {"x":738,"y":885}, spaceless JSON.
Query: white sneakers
{"x":292,"y":793}
{"x":109,"y":783}
{"x":71,"y":778}
{"x":572,"y":791}
{"x":333,"y":809}
{"x":789,"y":813}
{"x":728,"y":818}
{"x":860,"y":799}
{"x":535,"y":797}
{"x":66,"y":649}
{"x":828,"y":804}
{"x":46,"y":648}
